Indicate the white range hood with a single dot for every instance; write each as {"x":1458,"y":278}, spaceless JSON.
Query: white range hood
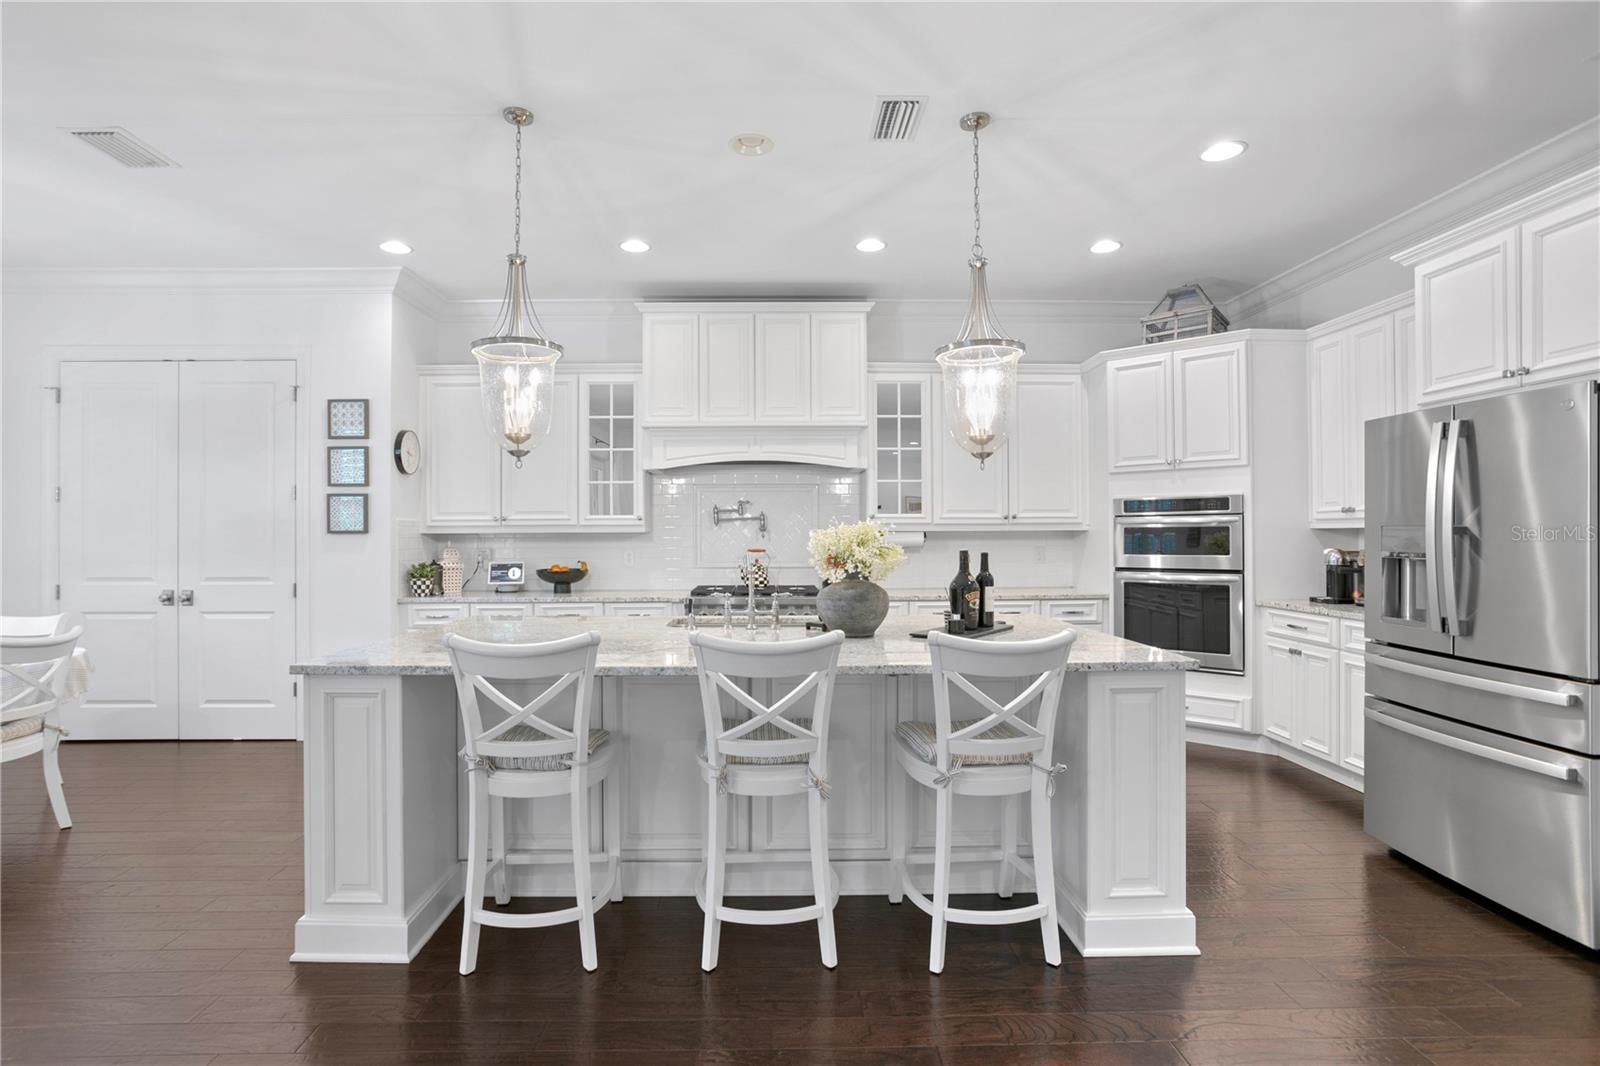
{"x":675,"y":447}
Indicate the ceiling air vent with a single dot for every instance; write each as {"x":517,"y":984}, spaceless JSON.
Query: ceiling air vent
{"x":122,"y":146}
{"x":897,"y":117}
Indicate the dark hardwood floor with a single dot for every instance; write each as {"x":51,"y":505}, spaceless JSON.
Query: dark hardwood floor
{"x":158,"y":931}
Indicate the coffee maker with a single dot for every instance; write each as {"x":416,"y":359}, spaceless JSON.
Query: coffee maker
{"x":1344,"y":576}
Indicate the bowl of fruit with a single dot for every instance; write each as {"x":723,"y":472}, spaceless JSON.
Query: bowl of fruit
{"x":562,"y":576}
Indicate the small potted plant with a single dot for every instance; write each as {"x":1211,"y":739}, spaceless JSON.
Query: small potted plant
{"x":850,"y":559}
{"x":419,"y":579}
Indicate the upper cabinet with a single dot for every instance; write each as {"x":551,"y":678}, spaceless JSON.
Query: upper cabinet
{"x":922,"y":479}
{"x":1511,"y":299}
{"x":1359,"y":368}
{"x":1179,"y":407}
{"x":584,"y":474}
{"x":732,"y":364}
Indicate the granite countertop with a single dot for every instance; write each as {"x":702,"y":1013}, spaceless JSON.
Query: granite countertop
{"x":651,"y":647}
{"x":1330,"y":610}
{"x":581,"y":595}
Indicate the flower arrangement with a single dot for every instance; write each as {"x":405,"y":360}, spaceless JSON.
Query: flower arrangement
{"x":857,"y":549}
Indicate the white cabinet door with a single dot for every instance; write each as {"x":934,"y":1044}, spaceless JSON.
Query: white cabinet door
{"x":1466,"y":319}
{"x":1561,"y":292}
{"x":899,"y":440}
{"x":1405,"y":361}
{"x":963,"y":492}
{"x":419,"y":616}
{"x":1278,"y":685}
{"x":839,"y":367}
{"x":1139,"y":412}
{"x":1208,"y":400}
{"x":565,"y":609}
{"x":1352,"y":708}
{"x":460,"y":463}
{"x":783,"y":367}
{"x":671,"y":368}
{"x":544,"y":492}
{"x":1328,"y":392}
{"x":236,"y":550}
{"x":1046,"y":457}
{"x":502,"y":612}
{"x":1370,"y":350}
{"x":1317,"y":691}
{"x":119,"y":543}
{"x":727,"y":365}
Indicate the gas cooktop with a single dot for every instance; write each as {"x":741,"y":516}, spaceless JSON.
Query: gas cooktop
{"x":704,"y":591}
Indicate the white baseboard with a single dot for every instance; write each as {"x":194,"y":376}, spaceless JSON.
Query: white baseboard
{"x":1267,"y":746}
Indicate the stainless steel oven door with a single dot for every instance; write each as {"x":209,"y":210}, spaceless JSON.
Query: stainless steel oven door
{"x":1180,"y":542}
{"x":1198,"y":614}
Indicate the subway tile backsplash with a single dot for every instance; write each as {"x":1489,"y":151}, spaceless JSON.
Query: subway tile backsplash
{"x":682,"y":548}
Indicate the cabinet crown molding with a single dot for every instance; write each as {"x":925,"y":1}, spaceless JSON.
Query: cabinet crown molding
{"x":1585,"y":183}
{"x":710,"y":307}
{"x":1401,"y":302}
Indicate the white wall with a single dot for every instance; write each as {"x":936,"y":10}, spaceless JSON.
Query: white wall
{"x":337,"y":324}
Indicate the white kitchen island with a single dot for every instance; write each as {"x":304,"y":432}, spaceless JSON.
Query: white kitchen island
{"x":383,"y":783}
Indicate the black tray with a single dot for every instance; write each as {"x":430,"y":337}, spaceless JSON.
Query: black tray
{"x":998,"y":627}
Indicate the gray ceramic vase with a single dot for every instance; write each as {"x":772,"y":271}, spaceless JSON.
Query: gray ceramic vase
{"x":855,"y":605}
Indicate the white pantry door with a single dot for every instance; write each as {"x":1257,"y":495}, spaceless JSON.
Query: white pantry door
{"x":236,"y":485}
{"x":177,"y":544}
{"x":119,"y":543}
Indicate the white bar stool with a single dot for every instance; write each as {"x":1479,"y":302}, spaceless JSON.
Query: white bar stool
{"x":35,"y":660}
{"x":770,"y":753}
{"x":525,"y":756}
{"x":1000,"y":754}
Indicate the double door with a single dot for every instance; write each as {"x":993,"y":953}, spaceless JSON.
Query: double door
{"x":177,"y":544}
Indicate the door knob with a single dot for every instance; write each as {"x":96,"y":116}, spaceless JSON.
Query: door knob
{"x":165,"y":598}
{"x":186,"y":598}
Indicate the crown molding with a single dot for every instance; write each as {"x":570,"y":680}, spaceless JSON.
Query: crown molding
{"x":410,"y":287}
{"x":1398,"y":302}
{"x":1561,"y":157}
{"x":219,"y":281}
{"x":1587,"y":181}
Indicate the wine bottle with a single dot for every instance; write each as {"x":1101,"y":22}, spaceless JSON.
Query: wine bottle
{"x":958,"y":595}
{"x":985,"y":593}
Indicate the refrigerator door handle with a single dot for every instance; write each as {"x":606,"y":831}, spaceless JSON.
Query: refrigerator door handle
{"x":1472,"y":747}
{"x":1481,"y":684}
{"x":1430,"y":529}
{"x":1450,"y":610}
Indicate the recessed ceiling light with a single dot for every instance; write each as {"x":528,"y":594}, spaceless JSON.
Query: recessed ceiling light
{"x":751,"y":144}
{"x":870,"y":244}
{"x":1223,"y":150}
{"x":1104,"y":246}
{"x":395,"y":247}
{"x":634,"y":245}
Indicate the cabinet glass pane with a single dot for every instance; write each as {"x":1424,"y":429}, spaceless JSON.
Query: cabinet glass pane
{"x":910,"y":399}
{"x":910,"y":433}
{"x":887,"y":398}
{"x":610,"y":453}
{"x":911,"y":465}
{"x":622,"y":432}
{"x":600,"y":433}
{"x":599,"y":466}
{"x":623,"y":495}
{"x":599,"y":399}
{"x":622,"y":400}
{"x":622,"y":465}
{"x":888,"y":466}
{"x":888,"y":432}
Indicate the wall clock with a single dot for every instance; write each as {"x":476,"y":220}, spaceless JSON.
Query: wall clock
{"x":407,"y":451}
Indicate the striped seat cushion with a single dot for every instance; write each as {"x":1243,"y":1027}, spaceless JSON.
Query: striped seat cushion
{"x":22,"y":727}
{"x":765,"y":732}
{"x":921,"y":738}
{"x":546,"y":763}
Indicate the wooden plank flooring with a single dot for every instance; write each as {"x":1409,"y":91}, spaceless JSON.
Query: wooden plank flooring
{"x":158,"y":931}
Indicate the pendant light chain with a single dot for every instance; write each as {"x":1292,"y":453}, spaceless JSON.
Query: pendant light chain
{"x":977,"y":217}
{"x":516,"y":240}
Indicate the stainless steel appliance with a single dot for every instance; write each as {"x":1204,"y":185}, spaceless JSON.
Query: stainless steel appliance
{"x":1483,"y":671}
{"x":1343,"y":576}
{"x":1179,"y":578}
{"x":506,"y":576}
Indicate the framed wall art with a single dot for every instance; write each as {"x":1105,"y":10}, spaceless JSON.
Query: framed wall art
{"x":347,"y":512}
{"x":347,"y":465}
{"x":347,"y":420}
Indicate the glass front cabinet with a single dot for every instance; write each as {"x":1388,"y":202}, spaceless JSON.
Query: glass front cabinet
{"x":900,"y":428}
{"x":613,"y":489}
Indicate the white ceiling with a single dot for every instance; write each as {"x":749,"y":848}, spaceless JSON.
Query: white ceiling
{"x":306,"y":134}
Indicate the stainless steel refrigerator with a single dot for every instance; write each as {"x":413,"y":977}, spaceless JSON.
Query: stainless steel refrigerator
{"x":1483,"y":662}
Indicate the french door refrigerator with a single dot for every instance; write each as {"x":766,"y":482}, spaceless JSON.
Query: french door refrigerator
{"x":1483,"y":664}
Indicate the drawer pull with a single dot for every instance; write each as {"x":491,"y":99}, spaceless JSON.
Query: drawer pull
{"x":1481,"y":684}
{"x":1472,"y":747}
{"x":1295,"y":625}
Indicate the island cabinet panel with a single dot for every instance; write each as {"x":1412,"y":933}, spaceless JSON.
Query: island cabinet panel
{"x":858,"y":777}
{"x":977,"y":818}
{"x":663,"y":798}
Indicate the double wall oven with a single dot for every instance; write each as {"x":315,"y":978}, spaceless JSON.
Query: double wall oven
{"x":1179,"y":578}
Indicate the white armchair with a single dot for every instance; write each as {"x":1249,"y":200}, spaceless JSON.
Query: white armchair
{"x":36,"y":658}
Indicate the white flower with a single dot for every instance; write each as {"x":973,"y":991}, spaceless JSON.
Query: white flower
{"x":859,"y":549}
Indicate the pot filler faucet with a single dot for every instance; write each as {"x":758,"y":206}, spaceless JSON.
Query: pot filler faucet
{"x":738,"y":513}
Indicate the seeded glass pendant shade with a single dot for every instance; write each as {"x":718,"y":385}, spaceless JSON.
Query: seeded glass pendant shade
{"x":516,"y":366}
{"x":979,"y":367}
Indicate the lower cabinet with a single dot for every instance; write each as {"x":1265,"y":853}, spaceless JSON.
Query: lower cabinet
{"x":1312,"y":693}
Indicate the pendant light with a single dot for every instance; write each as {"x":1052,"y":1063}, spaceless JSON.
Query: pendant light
{"x":517,"y":366}
{"x":979,"y":367}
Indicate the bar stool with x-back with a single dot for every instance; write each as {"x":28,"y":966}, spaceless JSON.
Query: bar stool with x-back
{"x":770,"y":752}
{"x":526,"y":755}
{"x":1001,"y":753}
